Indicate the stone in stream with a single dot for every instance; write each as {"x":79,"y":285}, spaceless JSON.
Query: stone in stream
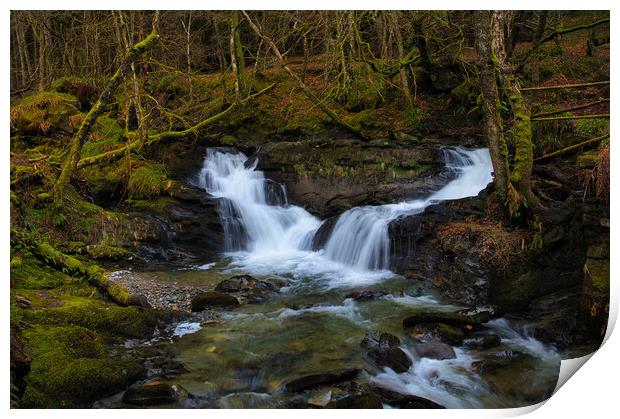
{"x":213,"y":299}
{"x":236,"y":283}
{"x":150,"y":394}
{"x":454,"y":319}
{"x":383,"y":351}
{"x":482,"y":342}
{"x":365,"y":294}
{"x":366,"y":400}
{"x":426,"y":332}
{"x":404,"y":401}
{"x":317,"y":380}
{"x":434,"y":350}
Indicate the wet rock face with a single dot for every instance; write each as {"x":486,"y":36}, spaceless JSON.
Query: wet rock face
{"x":185,"y":227}
{"x":383,"y":351}
{"x":327,"y":177}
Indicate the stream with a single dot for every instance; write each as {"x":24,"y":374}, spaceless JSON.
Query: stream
{"x":313,"y":324}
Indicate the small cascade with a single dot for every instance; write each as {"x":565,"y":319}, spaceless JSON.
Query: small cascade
{"x":254,"y":210}
{"x":360,"y":237}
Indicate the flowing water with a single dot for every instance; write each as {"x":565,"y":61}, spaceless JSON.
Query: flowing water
{"x":310,"y":326}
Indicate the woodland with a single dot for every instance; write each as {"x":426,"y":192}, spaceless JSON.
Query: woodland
{"x":306,"y":209}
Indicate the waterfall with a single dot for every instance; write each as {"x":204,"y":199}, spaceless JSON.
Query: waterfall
{"x":360,"y":236}
{"x":257,"y":218}
{"x":253,"y":209}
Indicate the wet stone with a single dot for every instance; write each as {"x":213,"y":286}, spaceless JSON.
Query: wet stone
{"x":150,"y":394}
{"x":482,"y":342}
{"x":317,"y":380}
{"x":435,"y":350}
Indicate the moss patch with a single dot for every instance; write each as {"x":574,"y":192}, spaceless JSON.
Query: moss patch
{"x":44,"y":112}
{"x":71,"y":368}
{"x":146,"y":182}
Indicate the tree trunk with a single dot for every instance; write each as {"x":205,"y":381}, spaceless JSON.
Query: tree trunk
{"x":404,"y":79}
{"x":70,"y":165}
{"x":492,"y":125}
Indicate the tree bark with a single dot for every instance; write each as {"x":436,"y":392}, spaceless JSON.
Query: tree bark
{"x":492,"y":125}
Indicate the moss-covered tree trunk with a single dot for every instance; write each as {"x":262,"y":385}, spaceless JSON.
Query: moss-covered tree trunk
{"x":71,"y":161}
{"x":492,"y":125}
{"x":513,"y":184}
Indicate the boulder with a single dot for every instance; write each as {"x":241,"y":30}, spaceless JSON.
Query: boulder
{"x":150,"y":394}
{"x":426,"y":332}
{"x":383,"y":351}
{"x":365,"y":294}
{"x":213,"y":299}
{"x":366,"y":400}
{"x":455,"y":319}
{"x":435,"y":350}
{"x":317,"y":380}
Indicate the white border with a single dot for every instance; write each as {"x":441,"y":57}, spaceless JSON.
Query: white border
{"x":592,"y":393}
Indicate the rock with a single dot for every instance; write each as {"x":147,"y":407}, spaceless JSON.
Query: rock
{"x":450,"y":318}
{"x":405,"y":401}
{"x":317,"y":380}
{"x":23,"y":302}
{"x":365,"y":400}
{"x":482,"y":342}
{"x":150,"y":394}
{"x":383,"y":351}
{"x":495,"y":361}
{"x":213,"y":299}
{"x":328,"y":176}
{"x":435,"y":350}
{"x":236,"y":283}
{"x":426,"y":332}
{"x":365,"y":294}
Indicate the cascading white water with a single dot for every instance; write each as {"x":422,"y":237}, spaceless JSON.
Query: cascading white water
{"x":251,"y":221}
{"x":360,"y":236}
{"x":257,"y":220}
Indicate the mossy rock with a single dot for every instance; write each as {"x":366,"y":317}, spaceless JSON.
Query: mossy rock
{"x":109,"y":320}
{"x":44,"y":113}
{"x":71,"y":368}
{"x":84,"y":90}
{"x":147,"y":181}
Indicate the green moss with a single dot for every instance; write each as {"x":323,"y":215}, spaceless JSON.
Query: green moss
{"x":71,"y":368}
{"x":32,"y":274}
{"x":146,"y":182}
{"x":590,"y":128}
{"x":157,"y":205}
{"x":587,"y":160}
{"x":229,"y":140}
{"x":105,"y":135}
{"x":597,"y":271}
{"x":93,"y":314}
{"x":44,"y":112}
